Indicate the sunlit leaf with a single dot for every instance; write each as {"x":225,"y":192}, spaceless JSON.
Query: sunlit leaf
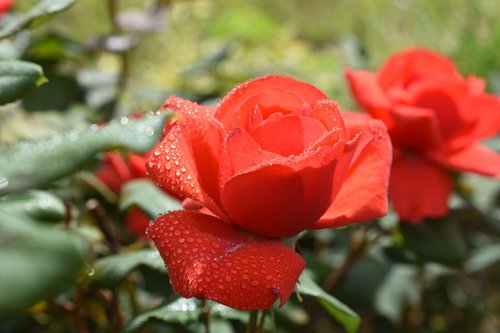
{"x":148,"y":197}
{"x":17,"y":78}
{"x":111,"y":270}
{"x":35,"y":261}
{"x":37,"y":163}
{"x":41,"y":10}
{"x":348,"y":318}
{"x":483,"y":258}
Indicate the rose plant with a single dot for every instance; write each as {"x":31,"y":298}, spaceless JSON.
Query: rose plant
{"x":435,"y":118}
{"x":275,"y":157}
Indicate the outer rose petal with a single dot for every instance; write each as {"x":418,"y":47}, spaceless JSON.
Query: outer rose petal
{"x":473,"y":158}
{"x":185,"y":162}
{"x":363,"y":195}
{"x":137,"y":222}
{"x":369,"y":95}
{"x":137,"y":165}
{"x":230,"y":105}
{"x":408,"y":66}
{"x":209,"y":259}
{"x":418,"y":188}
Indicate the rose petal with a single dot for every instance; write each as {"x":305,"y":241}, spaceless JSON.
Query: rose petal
{"x":284,"y":196}
{"x":209,"y":259}
{"x":369,"y":95}
{"x":411,"y":65}
{"x":114,"y":171}
{"x":328,"y":113}
{"x":288,"y":135}
{"x":473,"y":158}
{"x":137,"y":222}
{"x":186,"y":160}
{"x":295,"y":93}
{"x":418,"y":188}
{"x":137,"y":165}
{"x":363,"y":195}
{"x":415,"y":128}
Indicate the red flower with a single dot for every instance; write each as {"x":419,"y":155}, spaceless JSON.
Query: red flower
{"x":274,"y":158}
{"x":435,"y":118}
{"x":6,"y":6}
{"x":115,"y":172}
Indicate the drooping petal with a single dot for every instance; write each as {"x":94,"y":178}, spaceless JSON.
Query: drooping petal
{"x":411,"y":65}
{"x":369,"y":95}
{"x":295,"y":93}
{"x":418,"y":188}
{"x":473,"y":158}
{"x":415,"y":128}
{"x":363,"y":195}
{"x":209,"y":259}
{"x":284,"y":196}
{"x":185,"y":162}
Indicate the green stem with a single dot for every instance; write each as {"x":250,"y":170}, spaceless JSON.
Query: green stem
{"x":205,"y":316}
{"x":252,"y":321}
{"x":260,"y":327}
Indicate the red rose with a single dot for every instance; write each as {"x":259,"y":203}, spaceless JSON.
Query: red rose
{"x":116,"y":171}
{"x":6,"y":6}
{"x":274,"y":158}
{"x":435,"y":118}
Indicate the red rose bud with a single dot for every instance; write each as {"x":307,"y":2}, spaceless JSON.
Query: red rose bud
{"x":435,"y":118}
{"x":274,"y":158}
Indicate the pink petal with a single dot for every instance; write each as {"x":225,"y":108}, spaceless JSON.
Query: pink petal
{"x":209,"y":259}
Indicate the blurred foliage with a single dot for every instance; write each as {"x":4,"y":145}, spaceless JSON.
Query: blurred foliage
{"x":68,"y":264}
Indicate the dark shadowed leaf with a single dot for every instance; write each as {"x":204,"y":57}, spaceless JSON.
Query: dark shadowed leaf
{"x":17,"y":78}
{"x":43,"y":9}
{"x":111,"y":270}
{"x":436,"y":240}
{"x":348,"y":318}
{"x":148,"y":197}
{"x":35,"y":261}
{"x":37,"y":163}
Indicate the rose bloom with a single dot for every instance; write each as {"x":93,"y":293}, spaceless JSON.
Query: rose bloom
{"x":273,"y":158}
{"x":6,"y":6}
{"x":435,"y":118}
{"x":114,"y":172}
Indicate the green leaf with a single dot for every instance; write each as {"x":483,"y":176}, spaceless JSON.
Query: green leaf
{"x":436,"y":240}
{"x":348,"y":318}
{"x":483,"y":258}
{"x":17,"y":78}
{"x":184,"y":311}
{"x":42,"y":10}
{"x":148,"y":197}
{"x":35,"y":206}
{"x":32,"y":164}
{"x":398,"y":289}
{"x":35,"y":260}
{"x":111,"y":270}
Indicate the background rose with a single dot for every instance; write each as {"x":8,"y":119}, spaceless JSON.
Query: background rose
{"x":5,"y":6}
{"x":435,"y":118}
{"x":274,"y":158}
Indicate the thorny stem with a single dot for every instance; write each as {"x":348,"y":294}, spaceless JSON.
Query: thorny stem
{"x":68,"y":215}
{"x":358,"y":247}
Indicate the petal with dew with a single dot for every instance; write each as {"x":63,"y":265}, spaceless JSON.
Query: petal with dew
{"x":209,"y":259}
{"x":363,"y":195}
